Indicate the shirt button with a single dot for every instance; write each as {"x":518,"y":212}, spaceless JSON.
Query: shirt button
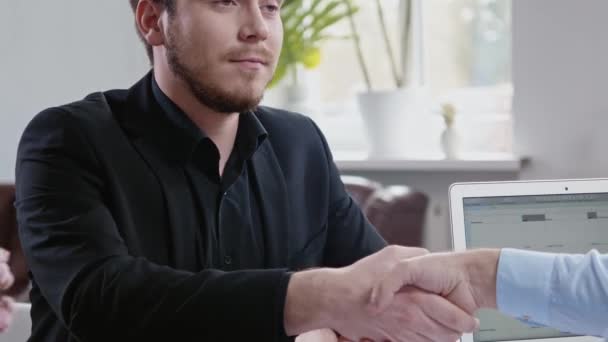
{"x":228,"y":260}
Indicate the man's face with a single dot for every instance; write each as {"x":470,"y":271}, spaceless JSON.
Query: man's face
{"x":225,"y":51}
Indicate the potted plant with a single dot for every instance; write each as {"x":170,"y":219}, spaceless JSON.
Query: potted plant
{"x":305,"y":26}
{"x":388,"y":113}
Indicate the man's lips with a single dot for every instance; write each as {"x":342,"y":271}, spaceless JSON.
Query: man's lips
{"x":250,"y":60}
{"x":250,"y":63}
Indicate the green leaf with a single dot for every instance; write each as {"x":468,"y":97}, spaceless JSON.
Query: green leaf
{"x":305,"y":25}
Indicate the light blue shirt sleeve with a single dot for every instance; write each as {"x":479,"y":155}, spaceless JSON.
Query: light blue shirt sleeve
{"x":568,"y":292}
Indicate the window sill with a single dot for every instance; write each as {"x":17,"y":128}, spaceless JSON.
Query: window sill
{"x":472,"y":163}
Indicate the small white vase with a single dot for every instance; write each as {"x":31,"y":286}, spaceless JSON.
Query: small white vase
{"x":450,"y":143}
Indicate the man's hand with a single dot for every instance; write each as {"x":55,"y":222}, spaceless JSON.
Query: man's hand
{"x":322,"y":335}
{"x":6,"y":276}
{"x":467,"y":279}
{"x":6,"y":281}
{"x":339,"y":299}
{"x":6,"y":312}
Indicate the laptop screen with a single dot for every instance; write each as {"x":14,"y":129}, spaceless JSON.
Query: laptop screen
{"x":570,"y":223}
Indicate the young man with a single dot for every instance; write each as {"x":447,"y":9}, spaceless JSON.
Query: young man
{"x":180,"y":210}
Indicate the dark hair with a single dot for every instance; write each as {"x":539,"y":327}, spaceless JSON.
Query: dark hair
{"x":169,"y":5}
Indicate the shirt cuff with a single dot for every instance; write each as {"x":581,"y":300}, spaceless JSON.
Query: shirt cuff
{"x":280,"y":307}
{"x":523,"y":285}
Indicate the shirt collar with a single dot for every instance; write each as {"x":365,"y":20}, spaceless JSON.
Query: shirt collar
{"x":250,"y":134}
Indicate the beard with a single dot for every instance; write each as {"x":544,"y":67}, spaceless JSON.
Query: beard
{"x":205,"y":90}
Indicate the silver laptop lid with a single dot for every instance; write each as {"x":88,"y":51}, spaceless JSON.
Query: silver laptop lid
{"x":555,"y":216}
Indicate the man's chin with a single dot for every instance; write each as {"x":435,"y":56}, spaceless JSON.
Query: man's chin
{"x":249,"y":104}
{"x":251,"y":99}
{"x":231,"y":103}
{"x":238,"y":96}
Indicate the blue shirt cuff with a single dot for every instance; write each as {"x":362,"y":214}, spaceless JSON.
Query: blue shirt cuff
{"x":523,"y":285}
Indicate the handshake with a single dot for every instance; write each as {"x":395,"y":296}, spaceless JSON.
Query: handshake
{"x":396,"y":294}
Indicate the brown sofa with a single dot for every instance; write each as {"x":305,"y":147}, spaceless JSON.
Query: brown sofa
{"x":397,"y":211}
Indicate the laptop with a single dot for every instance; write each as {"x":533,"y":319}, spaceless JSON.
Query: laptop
{"x":559,"y":216}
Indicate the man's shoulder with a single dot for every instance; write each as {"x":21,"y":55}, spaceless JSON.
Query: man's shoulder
{"x":95,"y":106}
{"x":90,"y":117}
{"x":92,"y":110}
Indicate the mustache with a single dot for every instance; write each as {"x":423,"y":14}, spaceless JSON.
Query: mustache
{"x":244,"y":53}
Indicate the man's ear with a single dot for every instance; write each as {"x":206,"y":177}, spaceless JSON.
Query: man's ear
{"x":148,"y":22}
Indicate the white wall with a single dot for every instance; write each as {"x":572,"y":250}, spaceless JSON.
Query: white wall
{"x":54,"y":52}
{"x":561,"y":87}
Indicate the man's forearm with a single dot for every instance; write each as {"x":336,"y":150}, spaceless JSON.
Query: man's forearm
{"x":309,"y":301}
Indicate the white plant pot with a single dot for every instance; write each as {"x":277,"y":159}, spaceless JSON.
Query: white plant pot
{"x":389,"y":117}
{"x":303,"y":96}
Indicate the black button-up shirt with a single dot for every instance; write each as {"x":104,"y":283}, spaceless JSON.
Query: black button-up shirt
{"x":231,"y":236}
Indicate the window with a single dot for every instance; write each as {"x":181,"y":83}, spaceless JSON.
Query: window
{"x":468,"y":43}
{"x":468,"y":64}
{"x":460,"y":51}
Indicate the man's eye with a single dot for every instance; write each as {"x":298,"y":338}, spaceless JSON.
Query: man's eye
{"x":226,"y":3}
{"x":271,"y":8}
